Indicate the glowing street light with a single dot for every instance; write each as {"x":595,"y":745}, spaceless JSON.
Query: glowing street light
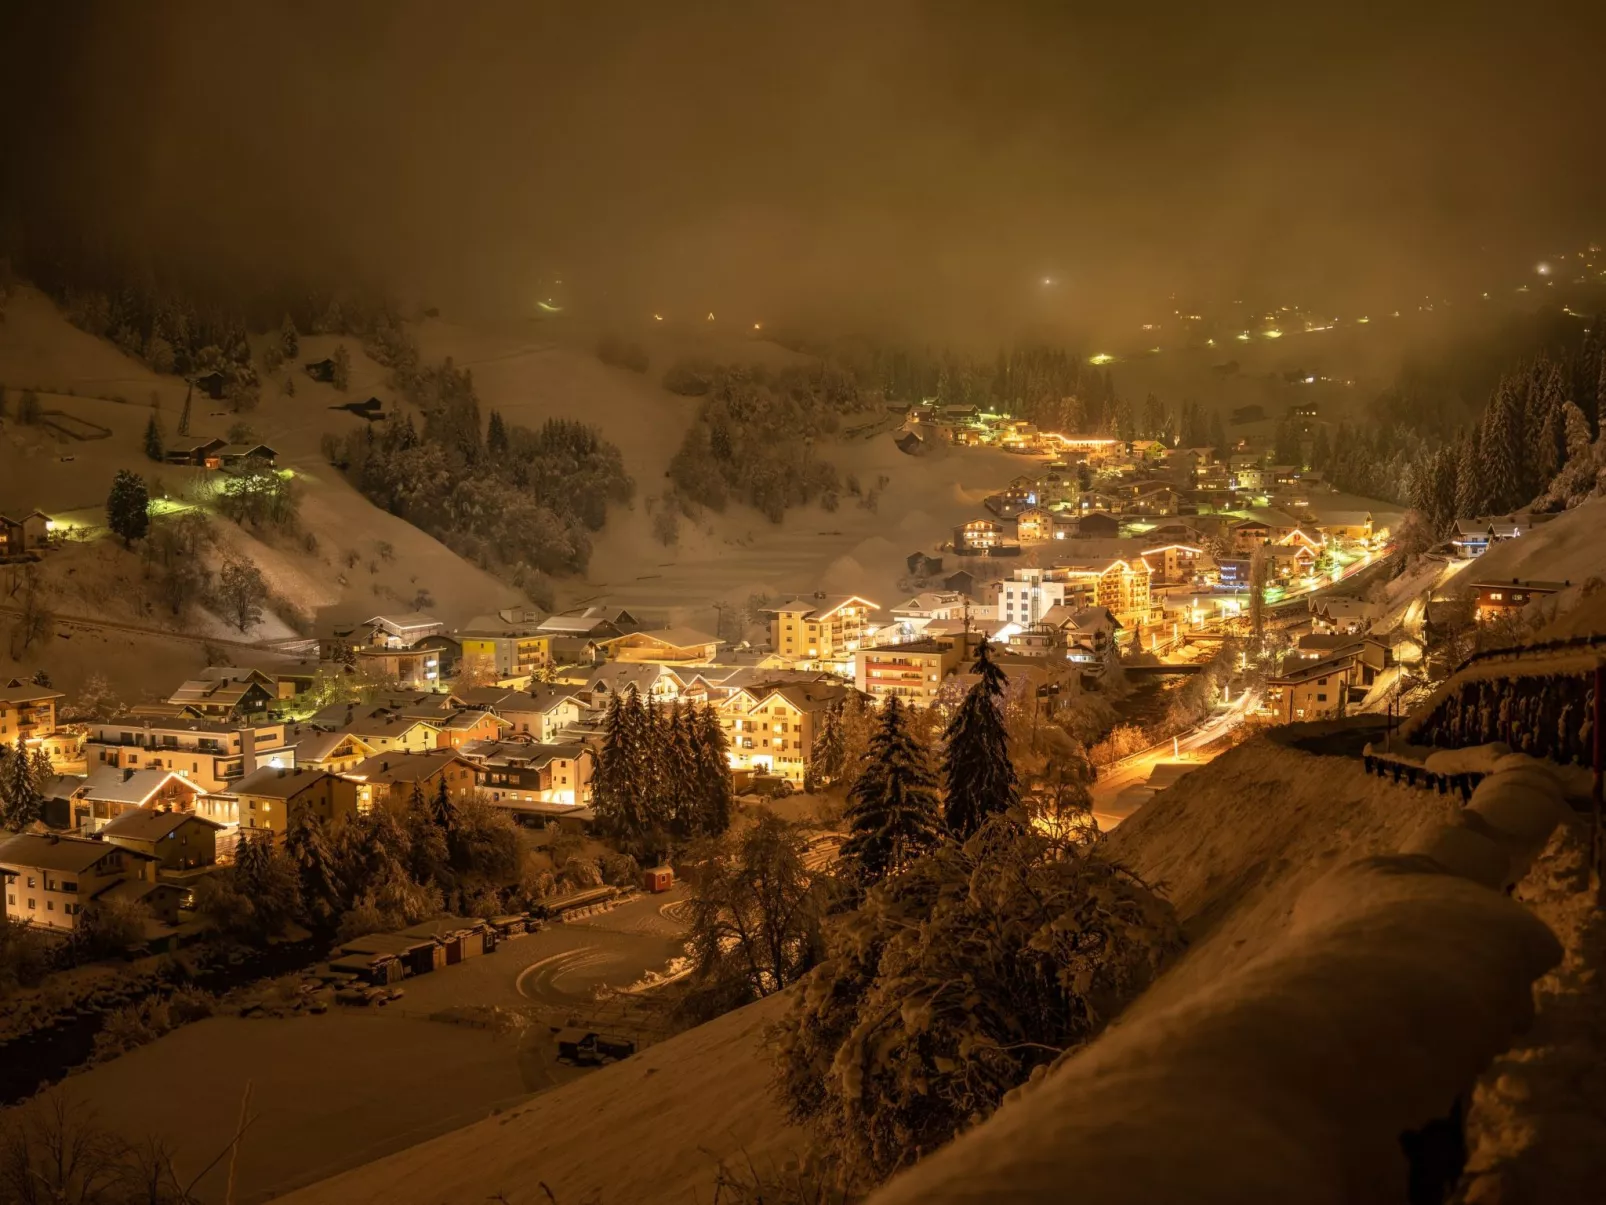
{"x":1542,"y":268}
{"x":1103,"y":357}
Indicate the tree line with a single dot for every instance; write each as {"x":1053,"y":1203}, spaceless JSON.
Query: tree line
{"x":382,"y":870}
{"x":663,"y":775}
{"x":755,"y":435}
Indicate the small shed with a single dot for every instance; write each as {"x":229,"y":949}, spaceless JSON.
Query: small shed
{"x":377,"y":970}
{"x":658,"y":878}
{"x":510,"y":926}
{"x":417,"y":955}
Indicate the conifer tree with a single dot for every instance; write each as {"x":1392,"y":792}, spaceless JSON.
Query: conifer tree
{"x":892,"y":810}
{"x":1470,"y":493}
{"x":155,"y":448}
{"x":289,"y":338}
{"x":307,"y":844}
{"x":611,"y":783}
{"x":828,"y":754}
{"x":496,"y":435}
{"x":128,"y":507}
{"x":1501,"y":449}
{"x":980,"y":776}
{"x":184,"y":414}
{"x":682,"y":787}
{"x":715,"y":798}
{"x":444,"y":810}
{"x":20,"y":800}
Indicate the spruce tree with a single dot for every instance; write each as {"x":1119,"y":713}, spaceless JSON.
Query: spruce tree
{"x":307,"y":844}
{"x":892,"y":811}
{"x":20,"y":799}
{"x":1470,"y":494}
{"x":444,"y":810}
{"x":496,"y":435}
{"x":128,"y":507}
{"x":716,"y":800}
{"x":1502,"y":448}
{"x":828,"y":753}
{"x":980,"y":776}
{"x":184,"y":414}
{"x":155,"y":448}
{"x":289,"y":338}
{"x":610,"y":784}
{"x":681,"y":783}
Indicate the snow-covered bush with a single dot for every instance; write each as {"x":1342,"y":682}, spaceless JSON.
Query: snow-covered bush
{"x":953,"y":982}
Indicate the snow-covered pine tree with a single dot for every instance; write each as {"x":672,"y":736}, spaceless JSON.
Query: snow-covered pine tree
{"x":715,"y":799}
{"x":1502,"y":449}
{"x":1579,"y":472}
{"x":443,"y":810}
{"x":307,"y":844}
{"x":976,"y":766}
{"x":827,"y":753}
{"x":610,"y":786}
{"x":155,"y":447}
{"x":680,"y":771}
{"x":892,"y":810}
{"x":496,"y":435}
{"x":20,"y":800}
{"x":1470,"y":492}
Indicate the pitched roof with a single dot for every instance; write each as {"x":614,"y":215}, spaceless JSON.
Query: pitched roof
{"x":680,"y":638}
{"x":278,"y":783}
{"x":117,"y":786}
{"x":404,"y":767}
{"x":28,"y":694}
{"x":314,"y":745}
{"x":149,"y":824}
{"x":49,"y":851}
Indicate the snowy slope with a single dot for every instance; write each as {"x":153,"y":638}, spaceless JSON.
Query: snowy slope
{"x":652,"y":1128}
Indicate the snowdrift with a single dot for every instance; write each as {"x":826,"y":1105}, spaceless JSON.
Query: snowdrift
{"x":1309,"y":1028}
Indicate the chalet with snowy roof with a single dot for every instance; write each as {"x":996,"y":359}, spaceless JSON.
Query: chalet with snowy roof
{"x":668,"y":646}
{"x":224,"y":697}
{"x":107,"y":793}
{"x":1338,"y":615}
{"x":181,"y":842}
{"x":27,"y":711}
{"x":1497,"y":600}
{"x":1359,"y":526}
{"x":332,"y":752}
{"x":471,"y":724}
{"x":1096,"y":525}
{"x":271,"y":800}
{"x":380,"y":728}
{"x":529,"y":778}
{"x":543,"y":712}
{"x":401,"y":631}
{"x":23,"y":533}
{"x":910,"y":617}
{"x":1083,"y":633}
{"x":1314,"y":690}
{"x":235,"y":455}
{"x":50,"y":879}
{"x":392,"y":778}
{"x":1288,"y":562}
{"x":1473,"y":537}
{"x":204,"y":453}
{"x":649,"y":680}
{"x":977,"y":536}
{"x":1261,"y":526}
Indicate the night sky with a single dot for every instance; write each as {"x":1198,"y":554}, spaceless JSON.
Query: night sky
{"x":934,"y":162}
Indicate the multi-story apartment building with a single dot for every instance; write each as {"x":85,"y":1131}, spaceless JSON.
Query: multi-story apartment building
{"x":1120,"y":584}
{"x":913,"y":671}
{"x":29,"y":712}
{"x":1027,"y":595}
{"x":508,"y":644}
{"x":210,"y":753}
{"x":824,"y":630}
{"x":50,"y":879}
{"x":771,"y":728}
